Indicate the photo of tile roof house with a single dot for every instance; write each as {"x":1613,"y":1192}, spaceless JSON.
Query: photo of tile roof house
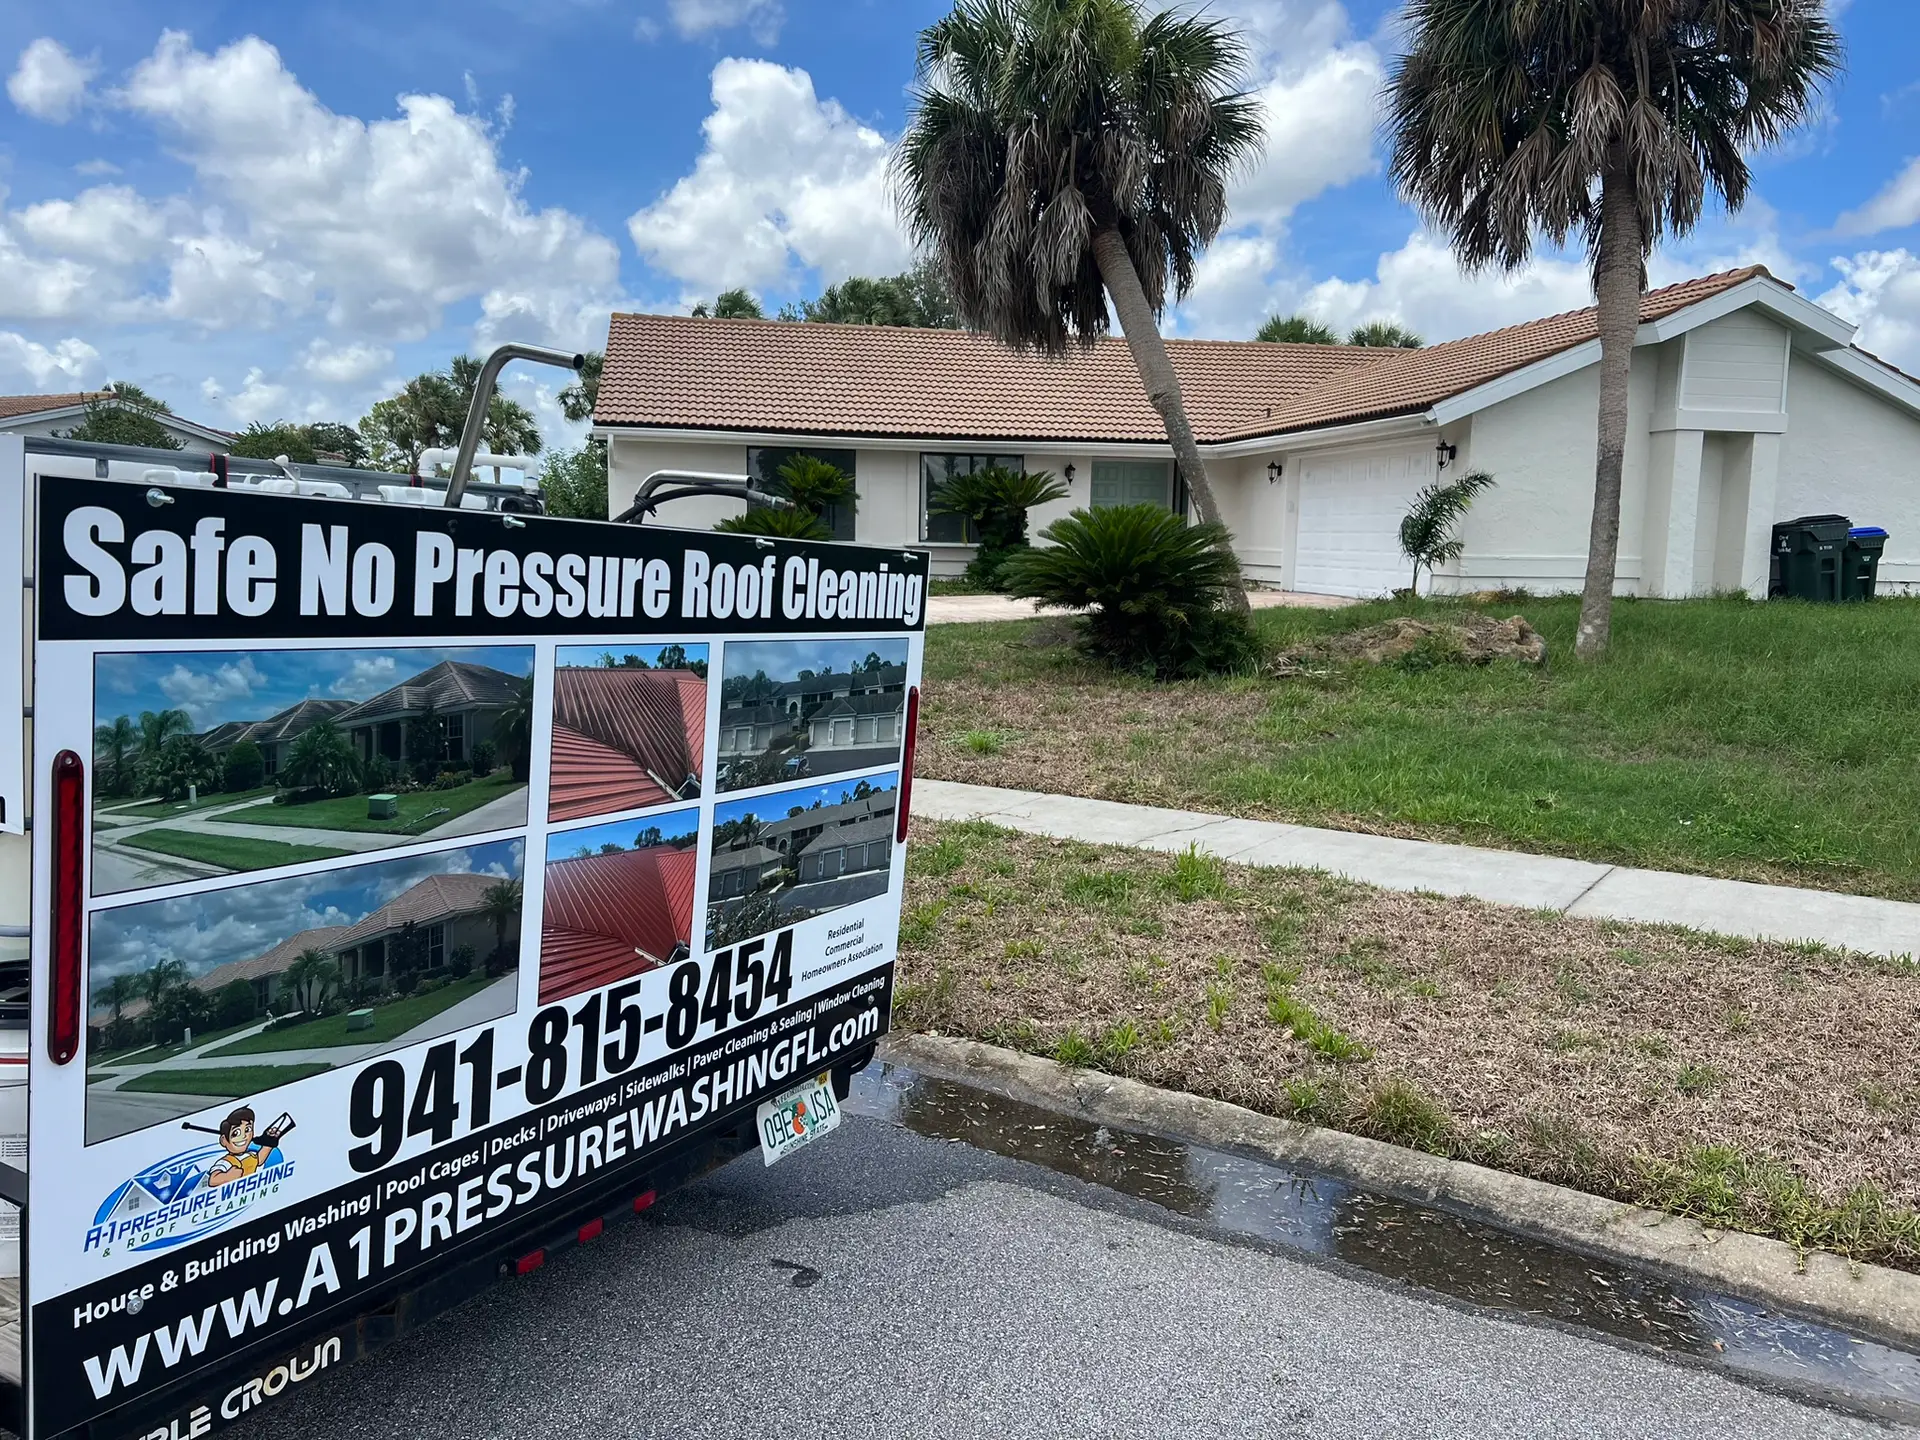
{"x":767,"y":873}
{"x":812,"y":725}
{"x":1750,"y":404}
{"x":617,"y":914}
{"x":625,"y":738}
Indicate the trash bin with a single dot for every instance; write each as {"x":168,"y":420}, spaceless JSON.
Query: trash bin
{"x":1808,"y":556}
{"x":1860,"y":562}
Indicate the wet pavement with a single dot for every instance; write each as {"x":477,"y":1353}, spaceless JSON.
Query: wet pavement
{"x":954,"y":1264}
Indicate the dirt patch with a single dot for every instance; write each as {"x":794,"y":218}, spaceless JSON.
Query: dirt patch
{"x":1472,"y":639}
{"x":1762,"y":1087}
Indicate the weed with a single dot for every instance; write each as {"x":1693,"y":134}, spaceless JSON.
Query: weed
{"x":1400,"y":1113}
{"x":1697,"y":1079}
{"x":1425,"y":989}
{"x":1567,"y":1041}
{"x":1198,"y":876}
{"x":984,"y":742}
{"x":943,"y":857}
{"x":1627,"y":955}
{"x":1291,"y":1013}
{"x":1075,"y":1049}
{"x":1219,"y":1001}
{"x":1165,"y":1032}
{"x":1101,"y":889}
{"x":1337,"y":1046}
{"x":1282,"y":933}
{"x":1655,"y":1045}
{"x":1139,"y":975}
{"x":916,"y":930}
{"x":1025,"y":949}
{"x":1571,"y":987}
{"x":1119,"y":1042}
{"x":927,"y":1003}
{"x":1312,"y":1102}
{"x":1738,"y":1021}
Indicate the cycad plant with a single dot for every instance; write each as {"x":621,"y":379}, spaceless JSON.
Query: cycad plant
{"x":1150,"y":584}
{"x":1609,"y":119}
{"x":994,"y":502}
{"x":1426,"y":534}
{"x":810,"y":486}
{"x":1062,"y":154}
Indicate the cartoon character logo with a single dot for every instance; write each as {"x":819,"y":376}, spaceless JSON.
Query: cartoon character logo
{"x":196,"y":1191}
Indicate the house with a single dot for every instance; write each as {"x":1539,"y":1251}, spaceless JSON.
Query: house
{"x":446,"y":911}
{"x":855,"y":733}
{"x":610,"y":917}
{"x":467,"y":698}
{"x":855,"y":848}
{"x":797,"y":836}
{"x":57,"y":414}
{"x":624,"y":739}
{"x":1749,"y":405}
{"x":744,"y":870}
{"x":274,"y":736}
{"x":750,"y":730}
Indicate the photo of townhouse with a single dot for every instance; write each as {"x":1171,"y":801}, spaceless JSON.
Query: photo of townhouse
{"x":197,"y":999}
{"x":619,"y":901}
{"x":629,"y":728}
{"x":782,"y":858}
{"x":211,"y":763}
{"x":802,"y":709}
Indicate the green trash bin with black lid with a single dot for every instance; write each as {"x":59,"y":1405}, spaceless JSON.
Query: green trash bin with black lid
{"x":1808,"y":556}
{"x":1860,"y":562}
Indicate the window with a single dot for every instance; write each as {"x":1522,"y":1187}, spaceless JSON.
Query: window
{"x":764,"y":466}
{"x":456,"y":736}
{"x":1131,"y":482}
{"x":436,"y":947}
{"x":935,"y":471}
{"x":373,"y":958}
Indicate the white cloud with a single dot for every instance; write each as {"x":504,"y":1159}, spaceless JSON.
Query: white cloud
{"x":368,"y":675}
{"x":203,"y":691}
{"x":109,"y":223}
{"x":1879,"y":291}
{"x":1320,"y":125}
{"x":344,"y":364}
{"x":1894,"y":208}
{"x":785,"y":179}
{"x":93,"y":169}
{"x":694,"y":18}
{"x":66,"y":365}
{"x":49,"y":83}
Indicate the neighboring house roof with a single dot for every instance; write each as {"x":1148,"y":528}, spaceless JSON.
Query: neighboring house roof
{"x":450,"y":685}
{"x":880,"y":804}
{"x":886,"y":675}
{"x":438,"y":897}
{"x":274,"y":961}
{"x":747,"y":857}
{"x":73,"y":404}
{"x":14,"y":406}
{"x":877,"y":827}
{"x":623,"y":739}
{"x":753,"y":715}
{"x":883,"y":704}
{"x":668,"y":372}
{"x":610,"y":916}
{"x":293,"y":721}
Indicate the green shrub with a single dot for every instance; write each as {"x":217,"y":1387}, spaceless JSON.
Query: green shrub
{"x":461,"y":961}
{"x":994,"y":502}
{"x":234,"y":1004}
{"x":485,"y":757}
{"x":1151,"y":584}
{"x":245,"y":767}
{"x":810,"y":486}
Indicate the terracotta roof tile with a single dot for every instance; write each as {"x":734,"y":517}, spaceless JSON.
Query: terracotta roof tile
{"x":448,"y":685}
{"x":273,"y":961}
{"x":672,"y":372}
{"x":13,"y":405}
{"x":608,"y":917}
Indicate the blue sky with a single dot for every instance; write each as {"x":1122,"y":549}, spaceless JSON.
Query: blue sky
{"x":777,"y":806}
{"x":589,"y":655}
{"x":785,"y":659}
{"x":676,"y":827}
{"x":266,"y":211}
{"x":219,"y":685}
{"x":214,"y":927}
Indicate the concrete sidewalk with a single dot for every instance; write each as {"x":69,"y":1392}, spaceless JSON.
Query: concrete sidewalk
{"x":1505,"y":877}
{"x":955,"y":609}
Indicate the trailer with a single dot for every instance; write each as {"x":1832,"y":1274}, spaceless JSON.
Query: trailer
{"x":395,"y":891}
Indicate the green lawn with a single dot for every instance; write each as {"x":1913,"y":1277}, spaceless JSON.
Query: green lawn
{"x":161,"y":809}
{"x":389,"y":1023}
{"x":228,"y":1084}
{"x":149,"y":1054}
{"x":1772,"y":742}
{"x":229,"y":852}
{"x":349,"y":812}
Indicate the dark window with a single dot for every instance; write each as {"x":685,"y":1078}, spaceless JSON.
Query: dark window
{"x":764,"y":466}
{"x":457,"y":736}
{"x":935,"y":471}
{"x":1131,"y":482}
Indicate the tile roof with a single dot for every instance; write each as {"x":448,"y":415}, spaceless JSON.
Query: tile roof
{"x":608,"y":917}
{"x":448,"y":685}
{"x":290,"y":722}
{"x":848,"y":812}
{"x":16,"y":405}
{"x":672,"y":372}
{"x":435,"y":898}
{"x":273,"y":961}
{"x":623,"y":739}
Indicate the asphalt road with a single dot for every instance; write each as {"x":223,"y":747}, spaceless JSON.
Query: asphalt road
{"x":948,"y":1292}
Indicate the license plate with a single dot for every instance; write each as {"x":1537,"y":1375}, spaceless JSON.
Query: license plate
{"x":792,"y":1121}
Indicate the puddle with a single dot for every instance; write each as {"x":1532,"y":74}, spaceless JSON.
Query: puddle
{"x":1468,"y":1260}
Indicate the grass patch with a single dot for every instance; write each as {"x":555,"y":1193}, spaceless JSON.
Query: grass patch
{"x":226,"y":1083}
{"x":417,"y":809}
{"x":161,"y":809}
{"x":984,"y":742}
{"x":1708,"y":741}
{"x":389,"y":1023}
{"x":229,"y":852}
{"x":152,"y":1054}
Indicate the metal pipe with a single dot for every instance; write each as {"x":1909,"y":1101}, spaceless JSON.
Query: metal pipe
{"x":483,"y":398}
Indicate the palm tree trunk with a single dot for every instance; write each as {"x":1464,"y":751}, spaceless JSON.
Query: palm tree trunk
{"x":1156,"y":373}
{"x":1619,"y":279}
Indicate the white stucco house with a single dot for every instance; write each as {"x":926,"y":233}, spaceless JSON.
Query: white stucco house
{"x":45,"y":415}
{"x":1750,"y":405}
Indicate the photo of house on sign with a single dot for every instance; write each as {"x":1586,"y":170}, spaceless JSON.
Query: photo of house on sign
{"x":797,"y":710}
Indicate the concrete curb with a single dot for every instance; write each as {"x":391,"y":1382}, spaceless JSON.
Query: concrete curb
{"x":1868,"y":1300}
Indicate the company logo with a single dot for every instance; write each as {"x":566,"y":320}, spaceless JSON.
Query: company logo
{"x":196,"y":1191}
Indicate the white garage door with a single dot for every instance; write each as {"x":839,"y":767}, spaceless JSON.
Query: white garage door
{"x":1351,"y":506}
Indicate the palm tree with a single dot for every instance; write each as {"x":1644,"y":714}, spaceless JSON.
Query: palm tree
{"x":513,"y":730}
{"x":1612,"y":119}
{"x":500,"y":903}
{"x":311,"y":974}
{"x":1385,"y":335}
{"x":1296,"y":330}
{"x":115,"y":745}
{"x":119,"y":992}
{"x":324,"y":756}
{"x":156,"y":728}
{"x":155,"y":983}
{"x":1064,"y":152}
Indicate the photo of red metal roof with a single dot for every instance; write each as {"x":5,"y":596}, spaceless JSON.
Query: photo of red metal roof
{"x":610,"y":917}
{"x":624,"y":739}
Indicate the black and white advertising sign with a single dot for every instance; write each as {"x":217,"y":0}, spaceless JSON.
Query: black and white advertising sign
{"x":439,"y":866}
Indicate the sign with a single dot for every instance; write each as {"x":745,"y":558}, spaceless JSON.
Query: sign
{"x":439,"y":866}
{"x":796,"y":1119}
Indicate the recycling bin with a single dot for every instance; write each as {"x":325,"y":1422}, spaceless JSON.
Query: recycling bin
{"x":1860,"y":562}
{"x":1808,"y":557}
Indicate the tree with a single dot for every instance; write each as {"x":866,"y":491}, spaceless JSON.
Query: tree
{"x":1296,"y":330}
{"x":156,"y":982}
{"x":732,"y":305}
{"x":124,"y":414}
{"x":156,"y":728}
{"x":426,"y":743}
{"x":323,"y":756}
{"x":500,"y":903}
{"x":1061,"y":152}
{"x":430,"y":412}
{"x":301,"y":444}
{"x":331,"y":438}
{"x":234,"y":1004}
{"x":311,"y":975}
{"x":118,"y":993}
{"x":811,"y":486}
{"x":573,"y":483}
{"x":672,"y":657}
{"x":918,"y":298}
{"x":513,"y":730}
{"x":1426,"y":533}
{"x":183,"y":763}
{"x":1384,"y":335}
{"x":245,"y":767}
{"x":1611,"y":119}
{"x":114,"y":746}
{"x":995,"y":501}
{"x":578,"y":400}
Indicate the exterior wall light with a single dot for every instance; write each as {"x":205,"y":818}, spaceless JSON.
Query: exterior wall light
{"x":1068,"y":471}
{"x":1275,"y":470}
{"x":1447,"y":453}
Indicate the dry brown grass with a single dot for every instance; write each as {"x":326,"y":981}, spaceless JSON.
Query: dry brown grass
{"x":1758,"y":1086}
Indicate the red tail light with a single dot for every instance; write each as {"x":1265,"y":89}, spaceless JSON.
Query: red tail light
{"x":529,"y":1263}
{"x":69,"y":887}
{"x":644,"y":1201}
{"x":906,"y":765}
{"x":592,"y":1229}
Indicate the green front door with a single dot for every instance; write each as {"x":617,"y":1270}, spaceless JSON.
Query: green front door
{"x":1131,"y":482}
